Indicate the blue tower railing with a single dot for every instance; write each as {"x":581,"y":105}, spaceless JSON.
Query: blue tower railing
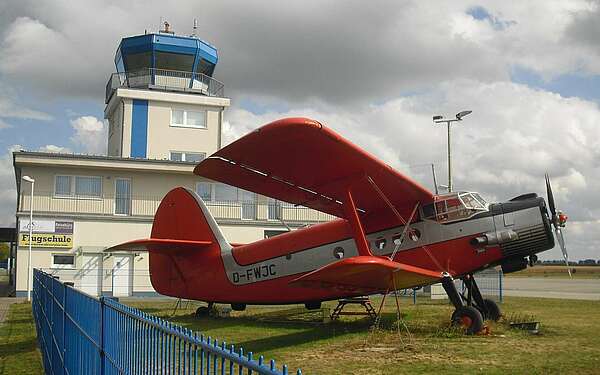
{"x":164,"y":80}
{"x":79,"y":334}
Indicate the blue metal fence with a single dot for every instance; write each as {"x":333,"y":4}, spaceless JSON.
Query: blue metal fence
{"x":79,"y":334}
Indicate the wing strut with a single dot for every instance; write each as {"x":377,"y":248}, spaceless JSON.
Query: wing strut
{"x":359,"y":233}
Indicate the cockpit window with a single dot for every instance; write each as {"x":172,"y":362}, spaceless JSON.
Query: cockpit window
{"x":454,"y":207}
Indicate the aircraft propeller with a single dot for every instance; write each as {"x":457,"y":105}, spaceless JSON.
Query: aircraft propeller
{"x":559,"y":219}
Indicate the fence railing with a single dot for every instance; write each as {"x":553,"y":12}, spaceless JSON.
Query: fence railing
{"x":163,"y":79}
{"x":79,"y":334}
{"x":146,"y":205}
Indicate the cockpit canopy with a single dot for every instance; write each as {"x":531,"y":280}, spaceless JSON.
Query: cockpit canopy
{"x":454,"y":206}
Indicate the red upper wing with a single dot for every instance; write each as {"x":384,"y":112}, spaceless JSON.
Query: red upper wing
{"x":300,"y":161}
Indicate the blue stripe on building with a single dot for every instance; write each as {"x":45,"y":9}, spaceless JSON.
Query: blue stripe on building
{"x":139,"y":128}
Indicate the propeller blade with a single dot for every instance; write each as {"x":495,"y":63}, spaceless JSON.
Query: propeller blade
{"x":550,"y":197}
{"x":563,"y":248}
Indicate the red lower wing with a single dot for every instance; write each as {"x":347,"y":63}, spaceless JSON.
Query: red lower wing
{"x":367,"y":274}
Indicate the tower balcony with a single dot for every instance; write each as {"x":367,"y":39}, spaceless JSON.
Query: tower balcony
{"x":164,"y":80}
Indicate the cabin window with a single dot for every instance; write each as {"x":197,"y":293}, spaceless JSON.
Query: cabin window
{"x":397,"y":239}
{"x":414,"y":234}
{"x":380,"y":243}
{"x":454,"y":206}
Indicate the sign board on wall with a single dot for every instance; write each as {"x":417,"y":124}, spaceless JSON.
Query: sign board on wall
{"x":47,"y":233}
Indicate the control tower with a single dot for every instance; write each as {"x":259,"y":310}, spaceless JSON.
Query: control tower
{"x":163,"y":102}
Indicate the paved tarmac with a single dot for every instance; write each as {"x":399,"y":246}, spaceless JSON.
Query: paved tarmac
{"x":588,"y":289}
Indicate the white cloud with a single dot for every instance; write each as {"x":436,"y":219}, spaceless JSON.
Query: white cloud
{"x":336,"y":52}
{"x":90,"y":134}
{"x":4,"y":124}
{"x":54,"y":149}
{"x":8,"y":191}
{"x":11,"y":108}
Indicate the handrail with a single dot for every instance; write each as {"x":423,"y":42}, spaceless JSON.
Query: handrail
{"x":166,"y":80}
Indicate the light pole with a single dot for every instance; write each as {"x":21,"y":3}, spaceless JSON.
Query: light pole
{"x":440,"y":119}
{"x":32,"y":182}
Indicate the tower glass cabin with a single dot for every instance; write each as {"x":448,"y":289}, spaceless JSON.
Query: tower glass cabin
{"x":167,"y":62}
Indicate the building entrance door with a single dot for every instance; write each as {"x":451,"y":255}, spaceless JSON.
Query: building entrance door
{"x":90,"y":274}
{"x":122,"y":275}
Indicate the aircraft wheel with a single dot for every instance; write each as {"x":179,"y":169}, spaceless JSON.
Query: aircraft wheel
{"x":493,"y":310}
{"x":468,"y":318}
{"x":202,"y":311}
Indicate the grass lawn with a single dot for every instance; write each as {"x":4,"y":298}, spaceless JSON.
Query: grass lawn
{"x":18,"y":343}
{"x":578,"y":272}
{"x":569,"y":340}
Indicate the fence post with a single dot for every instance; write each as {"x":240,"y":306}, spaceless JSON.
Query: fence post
{"x":64,"y":323}
{"x":500,"y":275}
{"x":101,"y":348}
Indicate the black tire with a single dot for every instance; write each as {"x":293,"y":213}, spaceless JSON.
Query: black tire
{"x":493,"y":310}
{"x":468,"y":318}
{"x":202,"y":311}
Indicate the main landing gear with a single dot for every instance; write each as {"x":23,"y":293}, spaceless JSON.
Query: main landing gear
{"x":472,"y":309}
{"x":204,"y":310}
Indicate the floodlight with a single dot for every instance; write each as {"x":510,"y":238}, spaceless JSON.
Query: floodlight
{"x":462,"y":114}
{"x":438,"y":117}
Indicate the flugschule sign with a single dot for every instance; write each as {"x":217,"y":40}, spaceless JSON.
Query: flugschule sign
{"x":47,"y":233}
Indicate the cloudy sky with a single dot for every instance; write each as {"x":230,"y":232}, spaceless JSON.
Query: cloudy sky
{"x":374,"y":71}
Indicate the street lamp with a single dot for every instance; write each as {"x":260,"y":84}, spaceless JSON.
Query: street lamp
{"x":440,"y":119}
{"x":32,"y":182}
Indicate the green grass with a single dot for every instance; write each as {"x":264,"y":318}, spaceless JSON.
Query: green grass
{"x":569,"y":341}
{"x":18,"y":343}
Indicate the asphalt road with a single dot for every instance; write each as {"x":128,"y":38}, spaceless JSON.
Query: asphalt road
{"x":588,"y":289}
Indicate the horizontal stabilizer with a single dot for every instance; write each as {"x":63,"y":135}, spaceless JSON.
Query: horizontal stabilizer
{"x":364,"y":274}
{"x":160,"y":245}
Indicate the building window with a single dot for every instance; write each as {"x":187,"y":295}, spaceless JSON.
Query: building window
{"x":188,"y":119}
{"x":248,"y":200}
{"x":62,"y":186}
{"x":63,"y":261}
{"x":204,"y":190}
{"x":191,"y":157}
{"x":274,"y":209}
{"x":78,"y":186}
{"x":122,"y":196}
{"x":226,"y":193}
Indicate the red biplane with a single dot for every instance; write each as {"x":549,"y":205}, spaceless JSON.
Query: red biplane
{"x":391,"y":232}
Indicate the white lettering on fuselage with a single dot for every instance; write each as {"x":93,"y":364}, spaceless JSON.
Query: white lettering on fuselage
{"x":256,"y":273}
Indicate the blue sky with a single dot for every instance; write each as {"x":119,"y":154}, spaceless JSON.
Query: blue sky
{"x":530,"y":72}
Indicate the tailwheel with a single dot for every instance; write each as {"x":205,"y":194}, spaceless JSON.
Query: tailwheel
{"x":468,"y":318}
{"x":493,"y":310}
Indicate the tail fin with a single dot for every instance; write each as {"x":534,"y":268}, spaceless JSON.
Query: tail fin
{"x":183,"y":232}
{"x":181,"y":223}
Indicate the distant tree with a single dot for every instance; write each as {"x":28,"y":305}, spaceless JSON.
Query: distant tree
{"x":4,"y":251}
